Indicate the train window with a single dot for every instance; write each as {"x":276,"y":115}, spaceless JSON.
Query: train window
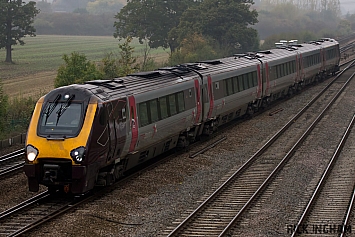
{"x":279,"y":71}
{"x":235,"y":84}
{"x":282,"y":71}
{"x":153,"y":108}
{"x":103,"y":117}
{"x":250,"y":80}
{"x":190,"y":93}
{"x":216,"y":84}
{"x":172,"y":104}
{"x":123,"y":114}
{"x":255,"y":78}
{"x":181,"y":102}
{"x":229,"y":86}
{"x":143,"y":114}
{"x":240,"y":83}
{"x":163,"y":107}
{"x":245,"y":81}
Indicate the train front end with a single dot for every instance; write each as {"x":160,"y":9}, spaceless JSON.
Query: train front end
{"x":57,"y":138}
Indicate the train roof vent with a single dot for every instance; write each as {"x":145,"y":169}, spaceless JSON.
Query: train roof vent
{"x":327,"y":39}
{"x":212,"y":62}
{"x":176,"y":69}
{"x":249,"y":55}
{"x":280,"y":45}
{"x":315,"y":42}
{"x":284,"y":42}
{"x":287,"y":47}
{"x":195,"y":66}
{"x":110,"y":84}
{"x":148,"y":75}
{"x":265,"y":52}
{"x":294,"y":43}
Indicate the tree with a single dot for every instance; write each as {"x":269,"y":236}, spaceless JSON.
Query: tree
{"x":128,"y":63}
{"x":16,"y":18}
{"x":152,"y":20}
{"x":225,"y":21}
{"x":122,"y":65}
{"x":192,"y":49}
{"x":77,"y":69}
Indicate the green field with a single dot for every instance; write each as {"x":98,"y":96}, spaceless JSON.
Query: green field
{"x":44,"y":53}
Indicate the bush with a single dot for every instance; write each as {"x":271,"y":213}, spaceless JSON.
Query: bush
{"x":77,"y":69}
{"x":15,"y":114}
{"x":3,"y":108}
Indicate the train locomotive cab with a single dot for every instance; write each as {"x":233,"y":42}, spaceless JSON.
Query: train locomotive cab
{"x":57,"y":138}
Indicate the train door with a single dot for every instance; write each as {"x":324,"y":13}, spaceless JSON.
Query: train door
{"x":301,"y":67}
{"x":298,"y":71}
{"x":323,"y":59}
{"x":263,"y":78}
{"x":112,"y":135}
{"x":133,"y":122}
{"x":198,"y":101}
{"x":119,"y":116}
{"x":210,"y":97}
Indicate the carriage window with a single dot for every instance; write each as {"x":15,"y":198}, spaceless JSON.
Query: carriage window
{"x":172,"y":104}
{"x":163,"y":107}
{"x":153,"y":107}
{"x":288,"y":68}
{"x":143,"y":114}
{"x":255,"y":78}
{"x":181,"y":102}
{"x":250,"y":79}
{"x":245,"y":81}
{"x":240,"y":82}
{"x":229,"y":86}
{"x":124,"y":114}
{"x":235,"y":84}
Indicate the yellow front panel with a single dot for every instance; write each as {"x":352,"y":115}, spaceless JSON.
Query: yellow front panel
{"x":58,"y":148}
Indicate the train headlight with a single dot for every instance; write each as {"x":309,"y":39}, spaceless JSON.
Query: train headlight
{"x":31,"y":153}
{"x":78,"y":154}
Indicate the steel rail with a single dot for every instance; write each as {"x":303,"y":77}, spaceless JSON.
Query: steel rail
{"x":347,"y":216}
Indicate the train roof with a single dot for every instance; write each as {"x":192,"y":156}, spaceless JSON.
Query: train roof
{"x":137,"y":83}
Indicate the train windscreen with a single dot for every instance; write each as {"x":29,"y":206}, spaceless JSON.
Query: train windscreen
{"x":61,"y":119}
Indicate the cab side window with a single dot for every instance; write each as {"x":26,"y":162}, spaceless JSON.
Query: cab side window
{"x":143,"y":114}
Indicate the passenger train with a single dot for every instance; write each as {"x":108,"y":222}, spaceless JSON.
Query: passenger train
{"x":90,"y":134}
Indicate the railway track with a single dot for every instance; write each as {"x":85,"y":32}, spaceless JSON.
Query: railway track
{"x":329,"y":206}
{"x":32,"y":212}
{"x":218,"y":214}
{"x":11,"y":162}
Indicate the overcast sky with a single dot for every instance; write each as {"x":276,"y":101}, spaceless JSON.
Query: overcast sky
{"x":347,"y":6}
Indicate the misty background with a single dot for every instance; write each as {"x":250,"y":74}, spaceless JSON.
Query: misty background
{"x":97,"y":17}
